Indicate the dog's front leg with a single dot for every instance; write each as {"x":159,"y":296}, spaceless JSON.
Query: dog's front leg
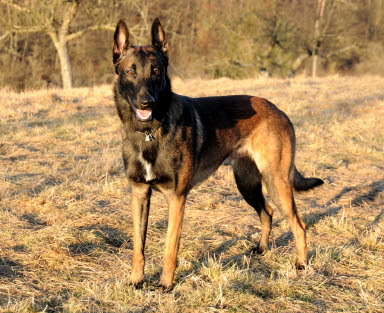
{"x":175,"y":219}
{"x":141,"y":194}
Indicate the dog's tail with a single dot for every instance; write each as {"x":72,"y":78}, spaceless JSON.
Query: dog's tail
{"x":301,"y":183}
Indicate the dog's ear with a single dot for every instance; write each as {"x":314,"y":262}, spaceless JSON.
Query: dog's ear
{"x":158,"y":38}
{"x":121,"y":40}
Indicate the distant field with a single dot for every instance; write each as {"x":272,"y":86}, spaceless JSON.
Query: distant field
{"x":66,"y":227}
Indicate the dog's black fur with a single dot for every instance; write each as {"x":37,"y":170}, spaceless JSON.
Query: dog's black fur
{"x":172,"y":142}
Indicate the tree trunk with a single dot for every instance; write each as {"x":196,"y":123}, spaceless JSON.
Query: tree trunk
{"x":316,"y":36}
{"x":374,"y":18}
{"x":65,"y":65}
{"x":53,"y":22}
{"x":60,"y":38}
{"x":314,"y":65}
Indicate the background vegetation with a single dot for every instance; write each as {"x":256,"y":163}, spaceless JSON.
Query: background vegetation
{"x":65,"y":218}
{"x":208,"y":38}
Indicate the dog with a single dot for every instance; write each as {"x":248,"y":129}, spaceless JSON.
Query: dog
{"x":173,"y":142}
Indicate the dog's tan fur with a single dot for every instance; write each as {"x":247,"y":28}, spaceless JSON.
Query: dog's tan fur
{"x":189,"y":139}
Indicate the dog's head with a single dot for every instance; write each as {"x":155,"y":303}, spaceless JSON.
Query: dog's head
{"x":141,"y":70}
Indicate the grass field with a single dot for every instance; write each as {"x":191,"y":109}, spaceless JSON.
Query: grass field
{"x":66,"y":227}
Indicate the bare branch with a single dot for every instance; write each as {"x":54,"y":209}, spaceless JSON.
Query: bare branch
{"x":25,"y":30}
{"x":87,"y":30}
{"x":15,"y":6}
{"x":54,"y":38}
{"x":299,"y":61}
{"x":4,"y":36}
{"x":68,"y":17}
{"x":340,"y":51}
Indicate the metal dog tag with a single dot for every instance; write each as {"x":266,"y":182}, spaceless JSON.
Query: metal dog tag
{"x":148,"y":136}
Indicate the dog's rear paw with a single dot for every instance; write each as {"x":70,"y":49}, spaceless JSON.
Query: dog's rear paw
{"x":259,"y":249}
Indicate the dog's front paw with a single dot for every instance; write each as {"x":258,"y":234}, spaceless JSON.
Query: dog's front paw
{"x":166,"y":284}
{"x":138,"y":285}
{"x":137,"y":280}
{"x":165,"y":288}
{"x":300,"y":265}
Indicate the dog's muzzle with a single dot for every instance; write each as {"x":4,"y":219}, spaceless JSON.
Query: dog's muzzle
{"x":144,"y":112}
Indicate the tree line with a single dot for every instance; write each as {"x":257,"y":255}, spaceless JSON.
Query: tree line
{"x":68,"y":42}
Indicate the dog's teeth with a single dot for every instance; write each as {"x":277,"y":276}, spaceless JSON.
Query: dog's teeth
{"x":144,"y":114}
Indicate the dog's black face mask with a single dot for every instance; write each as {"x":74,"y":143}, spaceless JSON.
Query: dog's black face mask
{"x":142,"y":70}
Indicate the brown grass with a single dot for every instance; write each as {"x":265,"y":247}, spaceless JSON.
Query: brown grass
{"x":65,"y":220}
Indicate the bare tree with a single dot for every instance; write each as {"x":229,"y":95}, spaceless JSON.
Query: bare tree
{"x":317,"y":35}
{"x":213,"y":38}
{"x":54,"y":17}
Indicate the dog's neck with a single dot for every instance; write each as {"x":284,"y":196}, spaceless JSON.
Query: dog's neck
{"x":150,"y":134}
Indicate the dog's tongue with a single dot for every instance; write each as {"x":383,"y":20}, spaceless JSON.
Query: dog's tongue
{"x":144,"y":114}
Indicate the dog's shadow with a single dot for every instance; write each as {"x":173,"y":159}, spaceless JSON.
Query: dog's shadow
{"x":10,"y":269}
{"x":331,"y":208}
{"x":376,"y":188}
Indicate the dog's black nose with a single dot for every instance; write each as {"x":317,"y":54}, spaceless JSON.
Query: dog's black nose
{"x":147,"y":101}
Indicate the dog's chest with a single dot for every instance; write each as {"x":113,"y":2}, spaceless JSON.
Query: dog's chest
{"x":147,"y":168}
{"x":149,"y":165}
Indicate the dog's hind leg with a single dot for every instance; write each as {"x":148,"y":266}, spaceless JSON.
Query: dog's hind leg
{"x":281,"y":191}
{"x":248,"y":180}
{"x":141,"y":194}
{"x":273,"y":149}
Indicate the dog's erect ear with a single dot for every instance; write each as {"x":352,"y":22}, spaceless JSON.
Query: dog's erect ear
{"x":158,"y":37}
{"x":121,"y":40}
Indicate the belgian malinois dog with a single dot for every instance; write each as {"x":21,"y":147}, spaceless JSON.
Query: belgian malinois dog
{"x":172,"y":142}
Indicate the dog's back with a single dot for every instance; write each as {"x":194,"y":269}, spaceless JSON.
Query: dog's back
{"x":172,"y":142}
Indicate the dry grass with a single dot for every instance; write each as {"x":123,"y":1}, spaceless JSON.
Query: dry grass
{"x":65,"y":220}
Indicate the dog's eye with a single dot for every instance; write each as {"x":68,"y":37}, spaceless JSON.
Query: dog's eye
{"x":129,"y":72}
{"x":156,"y":71}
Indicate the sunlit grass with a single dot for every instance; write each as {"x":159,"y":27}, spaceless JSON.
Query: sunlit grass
{"x":65,"y":219}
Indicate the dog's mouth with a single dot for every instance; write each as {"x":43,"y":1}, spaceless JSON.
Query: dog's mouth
{"x":143,"y":115}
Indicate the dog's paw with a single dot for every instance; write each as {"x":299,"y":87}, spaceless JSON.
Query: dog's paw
{"x":137,"y":285}
{"x":259,"y":249}
{"x":300,"y":266}
{"x":165,"y":285}
{"x":164,"y":288}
